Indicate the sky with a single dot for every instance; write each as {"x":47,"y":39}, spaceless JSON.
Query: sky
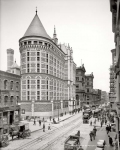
{"x":85,"y":24}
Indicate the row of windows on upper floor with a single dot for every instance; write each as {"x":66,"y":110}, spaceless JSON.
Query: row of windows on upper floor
{"x":9,"y":85}
{"x":35,"y":42}
{"x":86,"y":79}
{"x":32,"y":42}
{"x":12,"y":101}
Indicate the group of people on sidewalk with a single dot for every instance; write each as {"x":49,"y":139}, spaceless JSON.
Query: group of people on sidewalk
{"x":93,"y":134}
{"x":104,"y":119}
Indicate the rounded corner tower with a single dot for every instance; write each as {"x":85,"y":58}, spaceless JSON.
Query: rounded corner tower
{"x":42,"y":73}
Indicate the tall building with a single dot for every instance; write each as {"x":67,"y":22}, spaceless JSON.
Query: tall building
{"x":80,"y":85}
{"x":47,"y":73}
{"x":9,"y":100}
{"x":89,"y":88}
{"x":112,"y":93}
{"x":115,"y":9}
{"x":85,"y":94}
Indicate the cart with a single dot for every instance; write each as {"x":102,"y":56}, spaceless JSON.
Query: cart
{"x":24,"y":130}
{"x":4,"y":140}
{"x":20,"y":130}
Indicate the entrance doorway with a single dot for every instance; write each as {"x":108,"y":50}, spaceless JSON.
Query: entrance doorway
{"x":11,"y":117}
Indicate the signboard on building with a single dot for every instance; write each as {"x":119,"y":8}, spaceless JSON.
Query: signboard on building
{"x":23,"y":111}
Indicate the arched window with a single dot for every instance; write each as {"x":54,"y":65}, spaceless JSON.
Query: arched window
{"x":17,"y":85}
{"x":17,"y":100}
{"x":11,"y":85}
{"x":5,"y":84}
{"x":77,"y":97}
{"x":11,"y":100}
{"x":5,"y":100}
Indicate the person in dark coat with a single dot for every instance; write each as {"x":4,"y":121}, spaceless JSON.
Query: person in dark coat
{"x":94,"y":130}
{"x":110,"y":141}
{"x":43,"y":127}
{"x":90,"y":136}
{"x":107,"y":129}
{"x":39,"y":122}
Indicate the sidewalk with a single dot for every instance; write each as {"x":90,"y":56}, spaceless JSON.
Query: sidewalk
{"x":101,"y":134}
{"x":34,"y":128}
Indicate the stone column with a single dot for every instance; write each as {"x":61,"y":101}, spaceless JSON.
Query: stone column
{"x":62,"y":105}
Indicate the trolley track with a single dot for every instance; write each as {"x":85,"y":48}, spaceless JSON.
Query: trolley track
{"x":49,"y":145}
{"x":45,"y":136}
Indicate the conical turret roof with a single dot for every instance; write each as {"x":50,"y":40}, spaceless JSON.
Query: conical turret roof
{"x":36,"y":28}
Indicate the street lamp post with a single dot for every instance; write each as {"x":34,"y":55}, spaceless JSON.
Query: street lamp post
{"x":58,"y":111}
{"x":32,"y":107}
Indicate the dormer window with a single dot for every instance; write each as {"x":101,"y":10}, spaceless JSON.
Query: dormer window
{"x":40,"y":43}
{"x":29,"y":42}
{"x":35,"y":42}
{"x":45,"y":44}
{"x":25,"y":43}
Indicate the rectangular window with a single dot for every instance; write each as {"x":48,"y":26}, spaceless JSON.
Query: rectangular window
{"x":25,"y":43}
{"x":38,"y":84}
{"x":77,"y":78}
{"x":28,"y":95}
{"x":29,"y":42}
{"x":38,"y":53}
{"x":28,"y":54}
{"x":45,"y":44}
{"x":35,"y":42}
{"x":38,"y":70}
{"x":28,"y":59}
{"x":40,"y":43}
{"x":38,"y":58}
{"x":28,"y":70}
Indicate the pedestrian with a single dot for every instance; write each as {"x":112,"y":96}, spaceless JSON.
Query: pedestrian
{"x":90,"y":135}
{"x":34,"y":122}
{"x":49,"y":128}
{"x":110,"y":141}
{"x":43,"y":127}
{"x":43,"y":119}
{"x":93,"y":135}
{"x":91,"y":123}
{"x":94,"y":130}
{"x":107,"y":129}
{"x":101,"y":123}
{"x":39,"y":122}
{"x":105,"y":121}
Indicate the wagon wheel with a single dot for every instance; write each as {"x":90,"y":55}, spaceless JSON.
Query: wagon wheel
{"x":23,"y":135}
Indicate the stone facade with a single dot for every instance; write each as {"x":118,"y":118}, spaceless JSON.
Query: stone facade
{"x":9,"y":99}
{"x":47,"y":73}
{"x":115,"y":9}
{"x":85,"y":94}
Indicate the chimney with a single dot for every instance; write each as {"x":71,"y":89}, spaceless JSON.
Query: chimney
{"x":10,"y":58}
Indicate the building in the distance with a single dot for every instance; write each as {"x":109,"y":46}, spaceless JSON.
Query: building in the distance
{"x":9,"y":96}
{"x":85,"y":93}
{"x":104,"y":97}
{"x":80,"y":85}
{"x":47,"y":73}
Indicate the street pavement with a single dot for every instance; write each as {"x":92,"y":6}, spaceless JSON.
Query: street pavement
{"x":100,"y":135}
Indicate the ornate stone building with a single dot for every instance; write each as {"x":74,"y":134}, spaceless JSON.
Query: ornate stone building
{"x":47,"y":73}
{"x":85,"y":94}
{"x":115,"y":9}
{"x":112,"y":93}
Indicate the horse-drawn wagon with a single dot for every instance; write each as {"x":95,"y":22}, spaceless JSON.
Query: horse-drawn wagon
{"x":21,"y":130}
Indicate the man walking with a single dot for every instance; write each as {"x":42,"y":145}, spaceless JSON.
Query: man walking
{"x":39,"y":122}
{"x":94,"y":130}
{"x":90,"y":135}
{"x":43,"y":127}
